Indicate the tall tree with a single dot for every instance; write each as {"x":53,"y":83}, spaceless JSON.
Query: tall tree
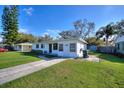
{"x":46,"y":37}
{"x":26,"y":38}
{"x":81,"y":30}
{"x":10,"y":24}
{"x":68,"y":34}
{"x":106,"y":32}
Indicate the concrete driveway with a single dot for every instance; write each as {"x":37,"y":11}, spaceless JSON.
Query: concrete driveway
{"x":12,"y":73}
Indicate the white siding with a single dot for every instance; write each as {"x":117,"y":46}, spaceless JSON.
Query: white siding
{"x":120,"y":39}
{"x":66,"y":48}
{"x":46,"y":47}
{"x":80,"y":47}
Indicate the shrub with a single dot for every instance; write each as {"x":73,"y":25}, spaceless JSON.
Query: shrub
{"x":37,"y":52}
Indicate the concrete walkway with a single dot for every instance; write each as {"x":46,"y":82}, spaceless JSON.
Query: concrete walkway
{"x":15,"y":72}
{"x":92,"y":58}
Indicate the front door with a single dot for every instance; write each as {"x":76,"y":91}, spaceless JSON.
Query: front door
{"x":50,"y":48}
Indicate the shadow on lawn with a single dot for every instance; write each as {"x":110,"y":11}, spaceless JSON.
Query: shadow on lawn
{"x":32,"y":54}
{"x":111,"y":58}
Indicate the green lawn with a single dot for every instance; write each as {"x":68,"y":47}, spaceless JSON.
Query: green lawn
{"x":76,"y":73}
{"x":108,"y":57}
{"x":8,"y":59}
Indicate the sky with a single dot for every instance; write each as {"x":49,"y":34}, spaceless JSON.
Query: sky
{"x":43,"y":19}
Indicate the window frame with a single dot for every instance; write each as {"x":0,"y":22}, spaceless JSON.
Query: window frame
{"x":41,"y":45}
{"x":37,"y":45}
{"x":61,"y":47}
{"x":123,"y":45}
{"x":55,"y":46}
{"x":72,"y":47}
{"x":118,"y":46}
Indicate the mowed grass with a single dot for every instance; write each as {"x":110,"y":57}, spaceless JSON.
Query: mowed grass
{"x":76,"y":73}
{"x":108,"y":57}
{"x":8,"y":59}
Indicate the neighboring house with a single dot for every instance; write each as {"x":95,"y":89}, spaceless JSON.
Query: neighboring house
{"x":23,"y":47}
{"x":92,"y":47}
{"x":63,"y":47}
{"x":119,"y":43}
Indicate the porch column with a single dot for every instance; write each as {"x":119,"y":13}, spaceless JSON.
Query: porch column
{"x":21,"y":48}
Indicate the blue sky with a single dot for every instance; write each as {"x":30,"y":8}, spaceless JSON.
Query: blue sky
{"x":40,"y":20}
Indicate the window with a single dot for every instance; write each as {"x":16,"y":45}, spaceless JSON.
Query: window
{"x":60,"y":47}
{"x":72,"y":47}
{"x":55,"y":46}
{"x":37,"y":45}
{"x":118,"y":46}
{"x":42,"y":46}
{"x":123,"y":46}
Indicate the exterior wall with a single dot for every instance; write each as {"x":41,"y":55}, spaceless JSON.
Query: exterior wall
{"x":23,"y":48}
{"x":92,"y":47}
{"x":121,"y":47}
{"x":45,"y":49}
{"x":80,"y":48}
{"x":26,"y":48}
{"x":66,"y":48}
{"x":16,"y":47}
{"x":120,"y":41}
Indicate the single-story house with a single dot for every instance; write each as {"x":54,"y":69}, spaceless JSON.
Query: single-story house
{"x":119,"y":43}
{"x":23,"y":47}
{"x":62,"y":47}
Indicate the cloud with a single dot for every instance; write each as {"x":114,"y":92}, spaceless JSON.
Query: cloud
{"x":52,"y":32}
{"x":46,"y":33}
{"x":22,"y":30}
{"x":28,"y":10}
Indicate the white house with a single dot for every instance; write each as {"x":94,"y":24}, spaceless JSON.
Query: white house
{"x":64,"y":47}
{"x":119,"y":43}
{"x":23,"y":47}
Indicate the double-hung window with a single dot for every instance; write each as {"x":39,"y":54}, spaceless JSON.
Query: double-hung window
{"x":55,"y":46}
{"x":72,"y":47}
{"x":37,"y":45}
{"x":60,"y":47}
{"x":42,"y":46}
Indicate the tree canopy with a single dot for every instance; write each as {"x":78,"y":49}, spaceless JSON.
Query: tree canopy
{"x":10,"y":24}
{"x":46,"y":37}
{"x":82,"y":29}
{"x":106,"y":32}
{"x":23,"y":37}
{"x":94,"y":41}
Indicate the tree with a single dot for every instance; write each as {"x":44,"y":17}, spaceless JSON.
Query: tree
{"x":68,"y":34}
{"x":94,"y":41}
{"x":81,"y":30}
{"x":46,"y":37}
{"x":106,"y":32}
{"x":26,"y":38}
{"x":119,"y":27}
{"x":10,"y":24}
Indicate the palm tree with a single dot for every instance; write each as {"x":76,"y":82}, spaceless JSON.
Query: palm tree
{"x":105,"y":32}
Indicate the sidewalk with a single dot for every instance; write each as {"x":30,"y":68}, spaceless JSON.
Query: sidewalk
{"x":12,"y":73}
